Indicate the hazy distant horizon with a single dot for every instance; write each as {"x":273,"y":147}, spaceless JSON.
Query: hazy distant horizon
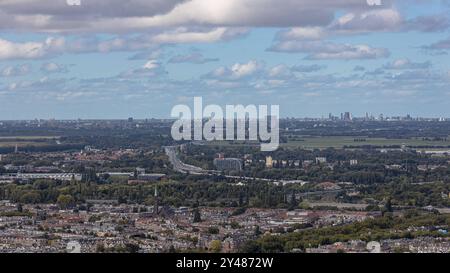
{"x":138,"y":118}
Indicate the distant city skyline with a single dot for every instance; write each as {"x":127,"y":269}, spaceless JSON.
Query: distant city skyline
{"x":329,"y":117}
{"x":115,"y":59}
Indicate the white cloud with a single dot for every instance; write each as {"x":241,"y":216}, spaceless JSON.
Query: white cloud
{"x":320,"y":50}
{"x":352,"y":52}
{"x":184,"y":35}
{"x":54,"y":68}
{"x":442,"y":45}
{"x":195,"y":58}
{"x":278,"y":70}
{"x":406,"y":64}
{"x":152,"y":64}
{"x":152,"y":68}
{"x":241,"y":70}
{"x":304,"y":33}
{"x":374,"y":20}
{"x":310,"y":40}
{"x":307,"y":68}
{"x":236,"y":72}
{"x":118,"y":15}
{"x":14,"y":71}
{"x":53,"y":46}
{"x":428,"y":23}
{"x":30,"y":50}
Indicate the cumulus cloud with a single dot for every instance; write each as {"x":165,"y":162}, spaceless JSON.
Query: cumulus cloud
{"x":102,"y":8}
{"x":313,"y":40}
{"x":147,"y":43}
{"x":360,"y":21}
{"x":303,"y":33}
{"x":148,"y":54}
{"x":30,"y":50}
{"x":440,"y":45}
{"x":323,"y":50}
{"x":256,"y":75}
{"x":374,"y":20}
{"x":14,"y":71}
{"x":117,"y":15}
{"x":51,"y":67}
{"x":151,"y":65}
{"x":281,"y":71}
{"x":57,"y":16}
{"x":241,"y":70}
{"x":407,"y":64}
{"x":152,"y":68}
{"x":195,"y":58}
{"x":43,"y":84}
{"x":307,"y":68}
{"x":352,"y":52}
{"x":236,"y":71}
{"x":415,"y":76}
{"x":429,"y":23}
{"x":184,"y":35}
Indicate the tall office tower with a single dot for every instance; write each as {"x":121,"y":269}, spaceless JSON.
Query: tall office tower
{"x":347,"y":116}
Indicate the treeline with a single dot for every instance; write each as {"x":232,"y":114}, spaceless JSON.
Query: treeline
{"x":197,"y":191}
{"x":373,"y":166}
{"x":171,"y":193}
{"x":377,"y":229}
{"x":407,"y":194}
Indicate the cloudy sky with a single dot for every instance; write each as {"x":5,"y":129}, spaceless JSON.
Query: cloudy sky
{"x":122,"y":58}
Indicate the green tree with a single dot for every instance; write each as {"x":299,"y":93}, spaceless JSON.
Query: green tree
{"x":215,"y":246}
{"x":19,"y":207}
{"x":257,"y":231}
{"x":197,"y":216}
{"x":293,"y":204}
{"x":65,"y":201}
{"x":213,"y":230}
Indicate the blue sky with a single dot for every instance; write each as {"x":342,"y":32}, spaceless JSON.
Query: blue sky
{"x":116,"y":59}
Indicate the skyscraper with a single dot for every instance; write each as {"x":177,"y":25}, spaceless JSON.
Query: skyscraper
{"x":347,"y":116}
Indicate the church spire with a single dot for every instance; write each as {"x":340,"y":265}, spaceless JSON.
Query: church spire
{"x":156,"y":208}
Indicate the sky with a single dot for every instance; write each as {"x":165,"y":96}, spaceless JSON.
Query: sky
{"x":107,"y":59}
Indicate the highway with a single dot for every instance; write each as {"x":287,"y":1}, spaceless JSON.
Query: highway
{"x":179,"y":166}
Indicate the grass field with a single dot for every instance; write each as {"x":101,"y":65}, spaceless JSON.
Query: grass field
{"x":339,"y":142}
{"x":22,"y":141}
{"x":27,"y":137}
